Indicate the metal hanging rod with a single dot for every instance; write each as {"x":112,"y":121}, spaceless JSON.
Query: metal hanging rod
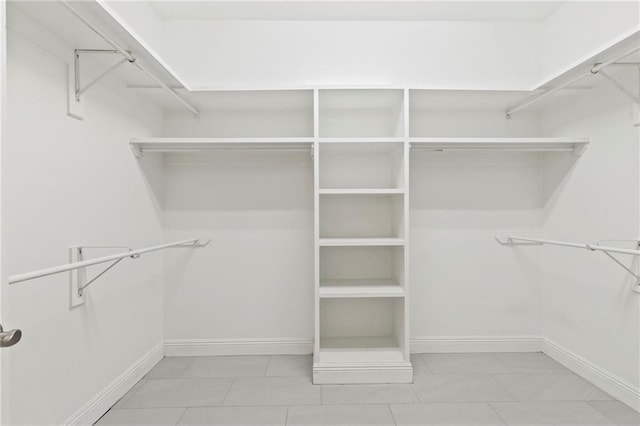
{"x":514,"y":241}
{"x":127,"y":55}
{"x":134,"y":254}
{"x":595,"y":69}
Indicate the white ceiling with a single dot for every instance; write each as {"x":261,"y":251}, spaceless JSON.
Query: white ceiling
{"x":368,"y":10}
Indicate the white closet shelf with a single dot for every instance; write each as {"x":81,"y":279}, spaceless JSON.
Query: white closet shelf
{"x":58,"y":20}
{"x":361,"y":191}
{"x":573,"y":145}
{"x":361,"y":140}
{"x":345,"y":288}
{"x":140,"y":146}
{"x":360,"y":350}
{"x":360,"y":242}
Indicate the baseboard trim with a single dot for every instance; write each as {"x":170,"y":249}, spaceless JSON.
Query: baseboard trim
{"x":462,"y":344}
{"x":100,"y":403}
{"x":214,"y":347}
{"x":607,"y":381}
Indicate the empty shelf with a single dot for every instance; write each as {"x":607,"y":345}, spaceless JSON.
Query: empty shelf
{"x":140,"y":146}
{"x":359,"y":350}
{"x":363,"y":242}
{"x":360,"y":191}
{"x":360,"y":288}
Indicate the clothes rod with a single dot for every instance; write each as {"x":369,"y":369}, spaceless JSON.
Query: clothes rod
{"x":128,"y":56}
{"x":497,"y":148}
{"x":594,"y":70}
{"x":592,"y":247}
{"x":13,"y":279}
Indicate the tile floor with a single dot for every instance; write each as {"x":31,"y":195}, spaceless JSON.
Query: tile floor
{"x":448,"y":389}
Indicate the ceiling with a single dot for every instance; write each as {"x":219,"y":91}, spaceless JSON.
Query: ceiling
{"x":366,"y":10}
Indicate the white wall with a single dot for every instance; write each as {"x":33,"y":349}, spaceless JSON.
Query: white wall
{"x":579,"y":30}
{"x":255,"y":281}
{"x":589,"y":308}
{"x":288,"y":54}
{"x":67,"y":182}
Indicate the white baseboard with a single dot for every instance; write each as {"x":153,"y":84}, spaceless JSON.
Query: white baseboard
{"x":444,"y":344}
{"x":605,"y":380}
{"x":214,"y":347}
{"x":100,"y":403}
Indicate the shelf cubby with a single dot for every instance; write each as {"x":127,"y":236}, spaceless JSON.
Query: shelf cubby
{"x":347,"y":113}
{"x":353,"y":166}
{"x":352,"y":271}
{"x":362,"y":330}
{"x":361,"y":216}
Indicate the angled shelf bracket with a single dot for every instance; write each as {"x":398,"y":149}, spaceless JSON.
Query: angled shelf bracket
{"x":522,"y":241}
{"x":634,"y":97}
{"x":78,"y":88}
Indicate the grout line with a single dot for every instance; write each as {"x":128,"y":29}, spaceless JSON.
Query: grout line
{"x":233,"y":381}
{"x":266,"y":367}
{"x":181,"y":416}
{"x":501,"y":386}
{"x":395,"y":422}
{"x":493,"y":355}
{"x":491,"y":407}
{"x":193,"y":359}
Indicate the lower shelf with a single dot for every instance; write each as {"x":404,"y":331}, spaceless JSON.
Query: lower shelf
{"x":360,"y":288}
{"x":359,"y":350}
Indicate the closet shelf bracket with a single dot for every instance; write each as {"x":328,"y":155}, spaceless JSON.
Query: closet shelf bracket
{"x":79,"y":89}
{"x":522,"y":241}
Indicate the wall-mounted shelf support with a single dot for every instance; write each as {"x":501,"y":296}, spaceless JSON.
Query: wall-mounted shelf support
{"x":127,"y":57}
{"x":79,"y":89}
{"x":616,"y":83}
{"x":522,"y":241}
{"x":595,"y":69}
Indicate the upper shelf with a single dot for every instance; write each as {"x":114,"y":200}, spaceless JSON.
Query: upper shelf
{"x":64,"y":29}
{"x":140,"y":146}
{"x":574,"y":145}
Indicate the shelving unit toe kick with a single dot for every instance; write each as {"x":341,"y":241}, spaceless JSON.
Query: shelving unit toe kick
{"x":346,"y":360}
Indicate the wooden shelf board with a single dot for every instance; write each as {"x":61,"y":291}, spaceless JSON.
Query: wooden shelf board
{"x":345,"y":242}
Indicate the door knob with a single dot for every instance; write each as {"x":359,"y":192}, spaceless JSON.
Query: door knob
{"x":9,"y":338}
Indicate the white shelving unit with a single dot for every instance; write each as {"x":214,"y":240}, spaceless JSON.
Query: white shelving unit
{"x":360,"y":142}
{"x":361,"y":225}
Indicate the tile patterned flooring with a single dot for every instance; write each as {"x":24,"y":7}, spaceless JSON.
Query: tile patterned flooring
{"x":448,"y":389}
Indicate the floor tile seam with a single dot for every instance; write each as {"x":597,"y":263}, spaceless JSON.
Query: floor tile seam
{"x":228,"y":392}
{"x":286,"y":416}
{"x":184,"y":411}
{"x":393,"y":417}
{"x":492,"y":408}
{"x":193,"y":359}
{"x":424,"y":362}
{"x":605,"y":414}
{"x":504,"y":388}
{"x":508,"y":367}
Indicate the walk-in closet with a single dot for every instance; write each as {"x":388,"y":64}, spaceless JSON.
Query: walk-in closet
{"x":309,"y":212}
